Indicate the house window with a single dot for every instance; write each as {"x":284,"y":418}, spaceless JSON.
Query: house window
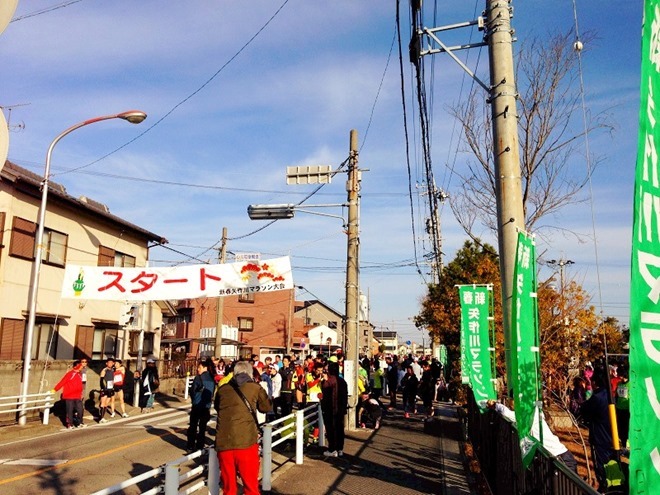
{"x":110,"y":257}
{"x":182,"y":317}
{"x":104,"y":343}
{"x":44,"y":341}
{"x":147,"y":344}
{"x":22,"y":238}
{"x":247,"y":297}
{"x":245,"y":324}
{"x":11,"y":339}
{"x":84,"y":342}
{"x":23,"y":234}
{"x":55,"y":242}
{"x":332,"y":324}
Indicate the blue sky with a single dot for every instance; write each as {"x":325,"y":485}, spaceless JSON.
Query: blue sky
{"x":290,"y":97}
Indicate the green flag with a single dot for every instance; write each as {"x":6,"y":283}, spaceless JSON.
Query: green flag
{"x":477,"y":349}
{"x":525,"y":357}
{"x":645,"y":272}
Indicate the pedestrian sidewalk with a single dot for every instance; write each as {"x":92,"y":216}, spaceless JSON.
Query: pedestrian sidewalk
{"x":405,"y":456}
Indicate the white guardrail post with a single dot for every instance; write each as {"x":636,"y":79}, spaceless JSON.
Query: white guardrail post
{"x":189,"y":380}
{"x":300,"y":435}
{"x":213,"y":481}
{"x":266,"y":457}
{"x":319,"y":412}
{"x":47,"y":406}
{"x":171,"y":479}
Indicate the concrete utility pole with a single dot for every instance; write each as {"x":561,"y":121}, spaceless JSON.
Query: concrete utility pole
{"x":352,"y":274}
{"x":220,"y":301}
{"x":503,"y":97}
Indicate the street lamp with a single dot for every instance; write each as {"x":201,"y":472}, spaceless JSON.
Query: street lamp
{"x":270,"y":212}
{"x":132,"y":116}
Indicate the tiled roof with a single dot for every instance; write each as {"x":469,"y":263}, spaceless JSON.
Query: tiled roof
{"x":17,"y":174}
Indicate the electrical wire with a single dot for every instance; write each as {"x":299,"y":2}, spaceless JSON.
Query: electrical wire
{"x":380,"y":86}
{"x":187,"y":98}
{"x":588,"y":159}
{"x":45,"y":10}
{"x":407,"y":139}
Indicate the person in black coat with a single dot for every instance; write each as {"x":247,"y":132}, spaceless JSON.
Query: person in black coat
{"x":149,"y":383}
{"x":595,"y":414}
{"x":201,"y":395}
{"x":409,"y":384}
{"x":392,"y":375}
{"x":334,"y":404}
{"x":285,"y":400}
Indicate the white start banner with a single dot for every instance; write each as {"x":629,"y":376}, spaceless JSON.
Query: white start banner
{"x":112,"y":283}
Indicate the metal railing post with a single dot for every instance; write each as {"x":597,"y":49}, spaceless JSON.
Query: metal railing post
{"x":321,"y":424}
{"x":300,"y":435}
{"x":47,"y":407}
{"x":185,"y":391}
{"x":266,"y":457}
{"x":213,"y":481}
{"x":171,"y":479}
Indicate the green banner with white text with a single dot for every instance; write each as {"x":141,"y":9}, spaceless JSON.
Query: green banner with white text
{"x":525,"y":362}
{"x":645,"y":272}
{"x":477,"y":349}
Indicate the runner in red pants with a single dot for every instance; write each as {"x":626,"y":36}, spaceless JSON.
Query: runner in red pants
{"x":245,"y":463}
{"x":237,"y":433}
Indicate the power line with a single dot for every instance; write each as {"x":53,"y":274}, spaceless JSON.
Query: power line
{"x":45,"y":10}
{"x":200,"y":88}
{"x":407,"y":139}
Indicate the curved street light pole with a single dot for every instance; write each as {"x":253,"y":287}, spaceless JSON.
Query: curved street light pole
{"x":132,"y":116}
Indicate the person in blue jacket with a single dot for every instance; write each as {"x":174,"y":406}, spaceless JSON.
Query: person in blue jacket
{"x":201,"y":394}
{"x":595,"y":413}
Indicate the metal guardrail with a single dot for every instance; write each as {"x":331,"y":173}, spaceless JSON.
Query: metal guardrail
{"x":273,"y":437}
{"x":33,"y":402}
{"x":495,"y":443}
{"x":169,"y":480}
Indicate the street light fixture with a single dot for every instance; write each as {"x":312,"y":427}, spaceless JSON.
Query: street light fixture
{"x":132,"y":116}
{"x":286,"y":211}
{"x":270,"y":212}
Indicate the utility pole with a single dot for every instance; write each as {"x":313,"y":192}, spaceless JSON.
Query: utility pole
{"x":352,"y":274}
{"x":220,"y":301}
{"x":503,"y":98}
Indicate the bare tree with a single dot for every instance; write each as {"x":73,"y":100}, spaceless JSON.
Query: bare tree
{"x":550,"y":132}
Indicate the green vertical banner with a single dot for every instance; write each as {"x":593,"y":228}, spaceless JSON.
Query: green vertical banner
{"x":525,"y":369}
{"x":645,"y":272}
{"x":477,"y":349}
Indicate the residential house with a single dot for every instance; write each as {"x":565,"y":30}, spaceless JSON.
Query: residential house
{"x":78,"y":231}
{"x":387,"y":340}
{"x":264,"y":322}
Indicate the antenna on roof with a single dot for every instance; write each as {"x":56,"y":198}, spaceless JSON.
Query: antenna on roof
{"x":9,"y":108}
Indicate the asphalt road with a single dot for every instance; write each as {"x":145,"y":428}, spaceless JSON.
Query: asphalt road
{"x":82,"y":461}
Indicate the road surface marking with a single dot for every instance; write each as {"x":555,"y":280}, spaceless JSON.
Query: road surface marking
{"x":84,"y":459}
{"x":33,"y":462}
